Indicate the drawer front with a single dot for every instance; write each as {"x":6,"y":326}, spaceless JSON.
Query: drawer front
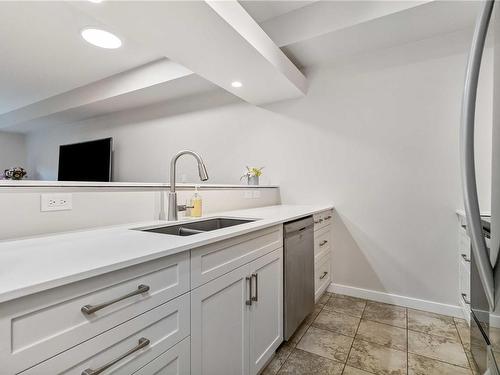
{"x":463,"y":243}
{"x":156,"y":331}
{"x":45,"y":324}
{"x":464,"y":284}
{"x":323,"y":219}
{"x":214,"y":260}
{"x":322,"y":242}
{"x":322,"y":276}
{"x":174,"y":361}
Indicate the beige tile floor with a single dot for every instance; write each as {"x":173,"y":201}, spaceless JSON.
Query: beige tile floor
{"x":352,"y":336}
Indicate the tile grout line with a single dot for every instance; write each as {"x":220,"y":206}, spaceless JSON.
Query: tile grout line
{"x":323,"y":307}
{"x":407,"y":344}
{"x":463,"y":346}
{"x":295,"y":345}
{"x":354,"y":338}
{"x":440,"y":360}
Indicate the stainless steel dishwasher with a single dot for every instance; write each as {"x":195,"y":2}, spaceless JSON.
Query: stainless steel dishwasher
{"x":298,"y":258}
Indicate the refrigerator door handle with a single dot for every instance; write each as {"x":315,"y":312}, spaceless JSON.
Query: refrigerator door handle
{"x":469,"y":187}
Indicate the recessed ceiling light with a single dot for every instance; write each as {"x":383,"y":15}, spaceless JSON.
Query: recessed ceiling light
{"x":101,"y":38}
{"x":96,"y":1}
{"x":236,"y":84}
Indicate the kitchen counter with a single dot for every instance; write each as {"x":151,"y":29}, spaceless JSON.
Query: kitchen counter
{"x":33,"y":265}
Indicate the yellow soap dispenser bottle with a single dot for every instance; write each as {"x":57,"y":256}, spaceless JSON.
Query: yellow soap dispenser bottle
{"x":196,"y":203}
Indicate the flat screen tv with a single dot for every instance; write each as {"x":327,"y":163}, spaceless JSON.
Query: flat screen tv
{"x":86,"y":161}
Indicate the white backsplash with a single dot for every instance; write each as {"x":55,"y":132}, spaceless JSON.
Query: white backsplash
{"x":94,"y":207}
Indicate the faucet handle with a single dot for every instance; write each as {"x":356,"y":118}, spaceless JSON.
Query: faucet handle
{"x":183,"y":207}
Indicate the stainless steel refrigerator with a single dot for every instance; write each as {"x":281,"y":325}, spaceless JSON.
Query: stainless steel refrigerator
{"x":484,"y":232}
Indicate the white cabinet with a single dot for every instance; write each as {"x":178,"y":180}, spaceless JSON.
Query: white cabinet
{"x":266,"y":311}
{"x":463,"y":257}
{"x":322,"y":277}
{"x":236,"y":319}
{"x":219,"y":325}
{"x":42,"y":325}
{"x":125,"y":348}
{"x":322,"y":252}
{"x":214,"y":260}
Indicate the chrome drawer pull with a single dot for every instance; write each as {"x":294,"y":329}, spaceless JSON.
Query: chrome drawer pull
{"x":328,"y":217}
{"x":323,"y":276}
{"x":464,"y":297}
{"x":256,"y":297}
{"x":90,"y":309}
{"x":318,"y":221}
{"x":465,"y":258}
{"x":248,"y":302}
{"x":323,"y":243}
{"x":143,"y":342}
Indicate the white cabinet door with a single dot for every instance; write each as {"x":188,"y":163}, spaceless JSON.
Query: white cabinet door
{"x":219,"y":325}
{"x":266,"y":310}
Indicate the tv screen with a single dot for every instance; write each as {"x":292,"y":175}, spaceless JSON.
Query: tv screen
{"x":86,"y":161}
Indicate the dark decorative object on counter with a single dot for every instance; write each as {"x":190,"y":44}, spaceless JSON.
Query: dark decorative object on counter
{"x":15,"y":173}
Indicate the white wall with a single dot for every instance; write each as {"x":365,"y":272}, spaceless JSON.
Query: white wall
{"x":12,"y":151}
{"x":377,"y":137}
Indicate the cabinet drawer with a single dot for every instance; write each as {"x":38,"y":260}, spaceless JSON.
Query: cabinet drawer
{"x":174,"y":361}
{"x":464,"y":283}
{"x":157,"y":330}
{"x":40,"y":326}
{"x":322,"y":276}
{"x":323,"y":219}
{"x":322,"y":242}
{"x":214,"y":260}
{"x":463,"y":243}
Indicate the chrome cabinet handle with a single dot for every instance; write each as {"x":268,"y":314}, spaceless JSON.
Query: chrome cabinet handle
{"x":143,"y":342}
{"x":90,"y":309}
{"x":328,"y":217}
{"x":318,"y":221}
{"x":465,"y":258}
{"x":248,"y":302}
{"x":471,"y":203}
{"x":323,"y":243}
{"x":256,"y":277}
{"x":464,"y":297}
{"x":323,"y":276}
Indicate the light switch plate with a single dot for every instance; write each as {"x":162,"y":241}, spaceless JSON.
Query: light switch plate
{"x":56,"y":202}
{"x":248,"y":194}
{"x":256,"y":193}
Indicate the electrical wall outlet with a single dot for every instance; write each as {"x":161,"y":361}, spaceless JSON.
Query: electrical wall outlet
{"x":56,"y":202}
{"x":256,"y":194}
{"x":247,"y":194}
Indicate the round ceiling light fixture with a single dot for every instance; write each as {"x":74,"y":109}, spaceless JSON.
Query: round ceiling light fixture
{"x":101,"y":38}
{"x":236,"y":84}
{"x":96,"y":1}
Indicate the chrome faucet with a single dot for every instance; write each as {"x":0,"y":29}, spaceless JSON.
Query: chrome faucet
{"x":173,"y":208}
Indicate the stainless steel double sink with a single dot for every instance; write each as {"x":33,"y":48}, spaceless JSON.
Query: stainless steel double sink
{"x":196,"y":227}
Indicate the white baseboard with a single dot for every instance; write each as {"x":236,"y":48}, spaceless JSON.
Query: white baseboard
{"x":394,"y":299}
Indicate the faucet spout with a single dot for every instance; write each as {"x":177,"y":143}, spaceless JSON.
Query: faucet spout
{"x":172,"y":195}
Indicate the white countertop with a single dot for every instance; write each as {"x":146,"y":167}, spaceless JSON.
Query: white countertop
{"x":32,"y":265}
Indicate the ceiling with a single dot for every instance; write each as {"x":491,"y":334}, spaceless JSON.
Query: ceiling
{"x":264,"y":10}
{"x":42,"y":53}
{"x":48,"y":74}
{"x":326,"y":32}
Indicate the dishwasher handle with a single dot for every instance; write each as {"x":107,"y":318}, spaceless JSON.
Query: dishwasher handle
{"x":298,"y":226}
